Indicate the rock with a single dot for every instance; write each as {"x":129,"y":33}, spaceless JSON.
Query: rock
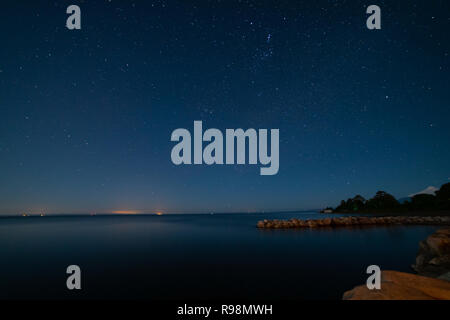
{"x":440,"y":260}
{"x":445,"y":276}
{"x":357,"y":221}
{"x":364,"y":220}
{"x":402,"y":286}
{"x":439,"y":241}
{"x":312,"y":223}
{"x":433,"y":258}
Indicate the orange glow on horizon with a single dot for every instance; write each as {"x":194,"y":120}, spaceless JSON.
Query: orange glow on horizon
{"x":125,"y":212}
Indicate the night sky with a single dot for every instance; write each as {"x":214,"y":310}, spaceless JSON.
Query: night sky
{"x":86,"y":115}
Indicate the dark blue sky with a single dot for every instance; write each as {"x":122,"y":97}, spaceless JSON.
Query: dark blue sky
{"x":86,"y":115}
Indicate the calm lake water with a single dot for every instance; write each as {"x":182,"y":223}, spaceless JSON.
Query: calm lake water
{"x":194,"y":257}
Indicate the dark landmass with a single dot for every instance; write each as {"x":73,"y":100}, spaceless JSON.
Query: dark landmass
{"x":384,"y":209}
{"x":383,"y":202}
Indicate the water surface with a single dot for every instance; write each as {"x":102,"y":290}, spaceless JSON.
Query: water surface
{"x":194,"y":256}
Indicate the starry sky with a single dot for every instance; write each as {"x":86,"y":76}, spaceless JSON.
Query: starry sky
{"x":86,"y":115}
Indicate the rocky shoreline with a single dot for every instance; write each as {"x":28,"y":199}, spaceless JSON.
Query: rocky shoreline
{"x":433,"y":258}
{"x":352,"y":221}
{"x":402,"y":286}
{"x":431,"y":283}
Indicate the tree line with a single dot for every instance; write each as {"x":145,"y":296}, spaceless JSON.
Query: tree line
{"x":385,"y":202}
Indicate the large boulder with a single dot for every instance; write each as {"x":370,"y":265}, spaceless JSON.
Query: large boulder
{"x":402,"y":286}
{"x":433,"y":258}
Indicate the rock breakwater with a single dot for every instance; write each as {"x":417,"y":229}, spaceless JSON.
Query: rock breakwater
{"x":352,"y":221}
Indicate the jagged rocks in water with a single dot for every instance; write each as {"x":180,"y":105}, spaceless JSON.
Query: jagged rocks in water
{"x":433,"y":258}
{"x":432,"y":283}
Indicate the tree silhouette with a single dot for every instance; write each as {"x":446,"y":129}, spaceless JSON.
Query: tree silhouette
{"x":423,"y":202}
{"x":443,"y":197}
{"x":384,"y":202}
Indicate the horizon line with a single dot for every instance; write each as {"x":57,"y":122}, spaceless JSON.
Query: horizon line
{"x":89,"y":214}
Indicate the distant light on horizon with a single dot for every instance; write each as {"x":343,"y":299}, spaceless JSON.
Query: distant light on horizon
{"x":159,"y":213}
{"x":126,"y":212}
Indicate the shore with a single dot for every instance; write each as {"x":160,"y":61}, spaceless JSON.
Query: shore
{"x":402,"y":286}
{"x":353,"y":221}
{"x":432,"y":281}
{"x":397,"y":214}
